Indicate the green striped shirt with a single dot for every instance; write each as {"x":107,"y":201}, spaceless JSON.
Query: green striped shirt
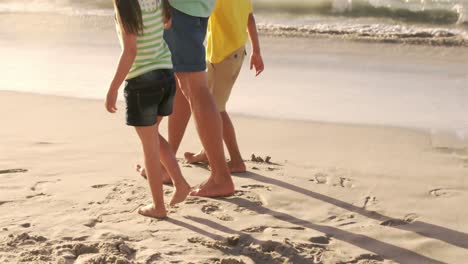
{"x":152,"y":51}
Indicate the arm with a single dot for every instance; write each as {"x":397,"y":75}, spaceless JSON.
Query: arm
{"x":127,"y":57}
{"x":256,"y":56}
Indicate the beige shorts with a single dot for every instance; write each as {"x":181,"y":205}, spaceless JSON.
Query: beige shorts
{"x":223,"y":75}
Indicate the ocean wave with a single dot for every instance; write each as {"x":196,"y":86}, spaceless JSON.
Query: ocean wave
{"x":372,"y":32}
{"x":420,"y":11}
{"x":411,"y":11}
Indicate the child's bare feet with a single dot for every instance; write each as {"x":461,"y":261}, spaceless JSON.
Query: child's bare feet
{"x":166,"y":178}
{"x":180,"y":193}
{"x":150,"y":211}
{"x":196,"y":158}
{"x":237,"y":167}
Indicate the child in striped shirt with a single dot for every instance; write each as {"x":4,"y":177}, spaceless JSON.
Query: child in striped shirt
{"x":145,"y":66}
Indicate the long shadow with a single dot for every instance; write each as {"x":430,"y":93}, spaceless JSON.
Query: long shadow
{"x":380,"y":248}
{"x":194,"y":229}
{"x":450,"y":236}
{"x":232,"y":251}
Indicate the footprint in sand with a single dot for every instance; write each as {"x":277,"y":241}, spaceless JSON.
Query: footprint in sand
{"x":24,"y":239}
{"x":99,"y":186}
{"x":255,"y":229}
{"x":126,"y":193}
{"x":39,"y":183}
{"x":365,"y":258}
{"x":294,"y":252}
{"x":104,"y":252}
{"x":82,"y":238}
{"x":408,"y":219}
{"x":195,"y":200}
{"x":262,"y":228}
{"x":93,"y":222}
{"x":256,"y":186}
{"x":250,"y":196}
{"x":153,"y":259}
{"x":368,"y":201}
{"x":13,"y":171}
{"x":208,"y":243}
{"x":442,"y":192}
{"x":216,"y":210}
{"x":346,"y":183}
{"x":36,"y":195}
{"x":342,"y":220}
{"x":210,"y":208}
{"x":320,"y":178}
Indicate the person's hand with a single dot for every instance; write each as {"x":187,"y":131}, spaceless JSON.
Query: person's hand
{"x":111,"y":100}
{"x":256,"y":62}
{"x":167,"y":23}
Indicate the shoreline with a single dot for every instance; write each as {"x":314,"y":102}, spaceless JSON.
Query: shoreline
{"x":443,"y":138}
{"x":423,"y":130}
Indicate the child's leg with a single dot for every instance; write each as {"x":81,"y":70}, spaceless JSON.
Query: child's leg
{"x":150,"y":143}
{"x":229,"y":135}
{"x":169,"y":161}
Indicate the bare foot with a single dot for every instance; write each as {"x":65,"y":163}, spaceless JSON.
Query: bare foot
{"x":150,"y":211}
{"x":211,"y":189}
{"x":180,"y":193}
{"x":237,"y":167}
{"x":196,"y":158}
{"x":166,"y":178}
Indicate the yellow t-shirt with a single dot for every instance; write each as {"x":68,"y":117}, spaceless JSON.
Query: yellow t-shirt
{"x":227,"y":28}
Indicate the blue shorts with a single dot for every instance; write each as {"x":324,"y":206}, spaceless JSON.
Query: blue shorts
{"x":148,"y":96}
{"x":185,"y":40}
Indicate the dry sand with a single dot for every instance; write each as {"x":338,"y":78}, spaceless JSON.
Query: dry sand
{"x":332,"y":194}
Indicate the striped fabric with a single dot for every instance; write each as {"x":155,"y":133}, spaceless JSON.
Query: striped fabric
{"x":152,"y":50}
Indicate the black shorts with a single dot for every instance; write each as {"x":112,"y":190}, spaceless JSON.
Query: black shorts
{"x":185,"y":39}
{"x":148,"y":96}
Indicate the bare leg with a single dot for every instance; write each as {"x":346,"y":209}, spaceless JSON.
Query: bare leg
{"x":209,"y":127}
{"x":236,"y":164}
{"x":178,"y":120}
{"x":150,"y":143}
{"x":171,"y":170}
{"x":177,"y":125}
{"x":169,"y":161}
{"x":229,"y":134}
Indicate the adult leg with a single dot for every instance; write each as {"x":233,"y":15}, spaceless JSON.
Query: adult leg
{"x":209,"y":128}
{"x":221,"y":79}
{"x":178,"y":120}
{"x":236,"y":164}
{"x":150,"y":142}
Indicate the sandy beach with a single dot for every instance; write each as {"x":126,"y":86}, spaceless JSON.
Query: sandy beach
{"x":356,"y":143}
{"x":329,"y":194}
